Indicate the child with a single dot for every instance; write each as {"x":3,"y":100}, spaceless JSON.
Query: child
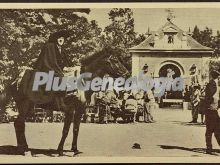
{"x":140,"y":103}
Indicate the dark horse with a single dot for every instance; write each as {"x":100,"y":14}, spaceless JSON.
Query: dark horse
{"x":102,"y":62}
{"x":25,"y":99}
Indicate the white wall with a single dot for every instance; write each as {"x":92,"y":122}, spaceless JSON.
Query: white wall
{"x":156,"y":60}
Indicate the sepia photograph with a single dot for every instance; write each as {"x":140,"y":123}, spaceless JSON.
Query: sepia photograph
{"x":116,"y":82}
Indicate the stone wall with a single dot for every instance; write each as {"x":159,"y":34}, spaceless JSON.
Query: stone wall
{"x":182,"y":60}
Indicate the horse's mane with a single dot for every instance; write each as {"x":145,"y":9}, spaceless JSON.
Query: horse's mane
{"x":98,"y":54}
{"x":107,"y":58}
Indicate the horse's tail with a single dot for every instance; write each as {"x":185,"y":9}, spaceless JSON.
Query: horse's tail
{"x":7,"y":94}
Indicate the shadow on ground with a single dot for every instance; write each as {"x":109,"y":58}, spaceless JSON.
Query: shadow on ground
{"x":13,"y":150}
{"x":8,"y":150}
{"x":188,"y":124}
{"x":196,"y":150}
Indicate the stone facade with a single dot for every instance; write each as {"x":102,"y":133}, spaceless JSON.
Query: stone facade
{"x":174,"y":48}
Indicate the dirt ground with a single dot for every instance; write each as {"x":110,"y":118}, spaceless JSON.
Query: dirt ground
{"x":170,"y":136}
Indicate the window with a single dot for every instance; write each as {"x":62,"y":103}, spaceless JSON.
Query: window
{"x":170,"y":39}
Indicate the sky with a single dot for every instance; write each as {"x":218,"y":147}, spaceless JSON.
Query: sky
{"x":154,"y":18}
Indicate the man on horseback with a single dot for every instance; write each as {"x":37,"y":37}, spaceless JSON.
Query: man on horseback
{"x":52,"y":58}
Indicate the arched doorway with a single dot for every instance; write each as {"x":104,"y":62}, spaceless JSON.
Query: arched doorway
{"x":175,"y":72}
{"x":165,"y":69}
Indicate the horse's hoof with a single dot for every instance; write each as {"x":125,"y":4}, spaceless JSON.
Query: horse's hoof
{"x":22,"y":150}
{"x":28,"y":154}
{"x":23,"y":147}
{"x":60,"y":153}
{"x":74,"y":148}
{"x":19,"y":152}
{"x":25,"y":153}
{"x":76,"y":152}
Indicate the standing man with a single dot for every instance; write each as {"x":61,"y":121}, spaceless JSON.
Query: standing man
{"x":147,"y":112}
{"x":211,"y":111}
{"x":195,"y":102}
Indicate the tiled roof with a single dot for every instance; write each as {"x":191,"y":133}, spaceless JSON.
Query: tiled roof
{"x":157,"y":41}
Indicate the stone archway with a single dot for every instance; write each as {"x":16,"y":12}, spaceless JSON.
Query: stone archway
{"x":175,"y":70}
{"x":161,"y":70}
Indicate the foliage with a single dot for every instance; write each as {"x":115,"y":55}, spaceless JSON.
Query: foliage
{"x":206,"y":38}
{"x":120,"y":33}
{"x":22,"y":33}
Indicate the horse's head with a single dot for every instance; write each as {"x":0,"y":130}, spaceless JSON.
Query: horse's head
{"x":106,"y":61}
{"x":115,"y":67}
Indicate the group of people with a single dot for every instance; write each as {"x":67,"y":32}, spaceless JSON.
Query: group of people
{"x":125,"y":104}
{"x":128,"y":105}
{"x":195,"y":94}
{"x":205,"y":101}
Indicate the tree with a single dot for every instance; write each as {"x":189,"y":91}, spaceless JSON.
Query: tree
{"x":23,"y":32}
{"x":196,"y":34}
{"x":207,"y":38}
{"x":216,"y":45}
{"x":120,"y":33}
{"x":139,"y":38}
{"x":121,"y":29}
{"x":204,"y":37}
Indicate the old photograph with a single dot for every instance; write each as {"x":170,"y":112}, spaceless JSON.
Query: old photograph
{"x":109,"y":82}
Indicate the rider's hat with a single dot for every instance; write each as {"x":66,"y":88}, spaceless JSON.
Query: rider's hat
{"x":215,"y":74}
{"x":62,"y":33}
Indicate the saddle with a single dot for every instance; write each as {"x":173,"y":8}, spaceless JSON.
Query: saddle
{"x":24,"y":84}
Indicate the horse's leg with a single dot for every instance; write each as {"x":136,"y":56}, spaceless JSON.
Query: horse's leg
{"x":67,"y":122}
{"x":76,"y":124}
{"x":19,"y":125}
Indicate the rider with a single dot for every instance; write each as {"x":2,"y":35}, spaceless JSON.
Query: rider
{"x":52,"y":58}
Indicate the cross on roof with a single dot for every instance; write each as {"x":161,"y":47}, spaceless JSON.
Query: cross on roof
{"x":170,"y":15}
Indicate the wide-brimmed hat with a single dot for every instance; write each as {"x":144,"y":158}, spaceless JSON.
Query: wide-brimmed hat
{"x":136,"y":146}
{"x":215,"y":73}
{"x":62,"y":33}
